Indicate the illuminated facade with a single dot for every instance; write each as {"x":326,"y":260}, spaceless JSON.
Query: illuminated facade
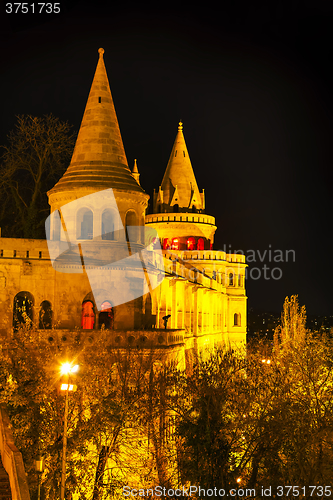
{"x":203,"y":291}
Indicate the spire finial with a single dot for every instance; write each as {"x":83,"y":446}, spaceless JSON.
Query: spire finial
{"x":135,"y":168}
{"x":180,"y":127}
{"x":135,"y":172}
{"x":101,"y":52}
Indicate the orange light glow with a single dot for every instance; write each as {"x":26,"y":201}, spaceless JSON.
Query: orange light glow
{"x":175,"y":244}
{"x":65,"y":386}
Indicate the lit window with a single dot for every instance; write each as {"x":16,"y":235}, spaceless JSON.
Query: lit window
{"x":190,"y":243}
{"x":88,"y":315}
{"x":166,"y":244}
{"x":175,"y":244}
{"x":201,"y":244}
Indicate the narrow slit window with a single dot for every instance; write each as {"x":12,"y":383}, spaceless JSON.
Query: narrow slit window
{"x":27,"y":254}
{"x":40,"y":255}
{"x":99,"y":99}
{"x":184,"y":153}
{"x":1,"y":253}
{"x":175,"y":153}
{"x":14,"y":253}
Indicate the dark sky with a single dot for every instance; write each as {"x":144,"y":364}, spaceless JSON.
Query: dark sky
{"x":251,"y":82}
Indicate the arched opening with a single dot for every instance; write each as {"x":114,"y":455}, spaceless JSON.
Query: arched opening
{"x":88,"y":315}
{"x":190,"y":243}
{"x":175,"y":209}
{"x":131,"y":227}
{"x":45,"y":315}
{"x":23,"y":309}
{"x":201,"y":244}
{"x":194,"y":209}
{"x":105,"y":317}
{"x":231,"y":279}
{"x":175,"y":244}
{"x":84,"y":224}
{"x":237,"y":319}
{"x":107,"y":225}
{"x":166,"y":244}
{"x":56,"y":225}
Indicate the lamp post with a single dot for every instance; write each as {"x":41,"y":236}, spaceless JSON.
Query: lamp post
{"x":39,"y":466}
{"x":66,"y":369}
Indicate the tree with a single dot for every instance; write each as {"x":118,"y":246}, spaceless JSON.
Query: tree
{"x":37,"y":153}
{"x":264,"y":421}
{"x":108,"y":443}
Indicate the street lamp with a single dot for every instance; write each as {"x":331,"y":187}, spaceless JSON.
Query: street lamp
{"x":39,"y":466}
{"x":66,"y":369}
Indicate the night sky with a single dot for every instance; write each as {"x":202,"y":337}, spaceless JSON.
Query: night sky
{"x":252,"y":84}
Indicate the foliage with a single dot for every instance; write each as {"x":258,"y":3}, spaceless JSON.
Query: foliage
{"x":268,"y":425}
{"x":261,"y":420}
{"x":37,"y":153}
{"x":107,"y":438}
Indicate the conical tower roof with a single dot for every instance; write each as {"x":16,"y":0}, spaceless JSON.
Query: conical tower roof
{"x":99,"y":159}
{"x":179,"y":179}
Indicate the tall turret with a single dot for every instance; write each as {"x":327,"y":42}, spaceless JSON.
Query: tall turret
{"x":179,"y":207}
{"x":99,"y":163}
{"x":179,"y":189}
{"x":99,"y":160}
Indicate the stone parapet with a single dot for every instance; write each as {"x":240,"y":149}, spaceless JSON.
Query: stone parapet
{"x":180,"y":217}
{"x":12,"y":459}
{"x":154,"y":338}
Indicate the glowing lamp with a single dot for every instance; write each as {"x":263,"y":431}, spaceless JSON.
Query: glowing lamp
{"x":67,"y":368}
{"x":66,"y":387}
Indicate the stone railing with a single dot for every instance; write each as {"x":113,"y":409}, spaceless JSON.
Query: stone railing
{"x":12,"y":459}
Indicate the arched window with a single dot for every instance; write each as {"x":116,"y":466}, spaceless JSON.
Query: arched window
{"x":88,"y":315}
{"x":131,"y":227}
{"x":56,"y":225}
{"x":45,"y":315}
{"x":239,"y":280}
{"x":175,"y":208}
{"x":237,"y":319}
{"x":175,"y":244}
{"x":107,"y":225}
{"x":23,"y":309}
{"x":190,"y":243}
{"x":105,"y":317}
{"x":84,"y":224}
{"x":231,"y":279}
{"x":201,"y":244}
{"x":166,"y":244}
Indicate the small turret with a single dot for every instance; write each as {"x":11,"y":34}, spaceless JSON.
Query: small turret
{"x":179,"y":185}
{"x":135,"y":172}
{"x":179,"y":207}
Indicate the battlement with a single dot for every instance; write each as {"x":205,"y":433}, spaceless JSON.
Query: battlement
{"x":21,"y":248}
{"x":180,"y":217}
